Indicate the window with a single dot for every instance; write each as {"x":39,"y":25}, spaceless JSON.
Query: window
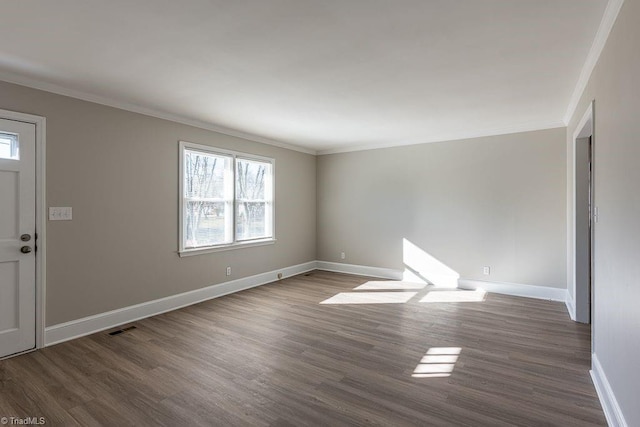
{"x":9,"y":146}
{"x":226,"y":199}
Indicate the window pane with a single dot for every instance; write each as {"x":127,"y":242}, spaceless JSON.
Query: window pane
{"x":227,"y":198}
{"x":251,"y":178}
{"x":253,"y":199}
{"x":205,"y":175}
{"x":208,"y":199}
{"x":251,"y":220}
{"x":9,"y":146}
{"x":206,"y":223}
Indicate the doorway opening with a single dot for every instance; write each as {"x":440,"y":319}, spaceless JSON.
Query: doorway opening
{"x":584,"y":216}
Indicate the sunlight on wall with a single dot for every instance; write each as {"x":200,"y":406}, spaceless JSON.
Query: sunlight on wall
{"x":477,"y":295}
{"x":370,"y":298}
{"x":437,"y":363}
{"x":422,"y":268}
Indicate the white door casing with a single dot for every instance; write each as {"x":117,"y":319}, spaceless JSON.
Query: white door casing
{"x":18,"y":218}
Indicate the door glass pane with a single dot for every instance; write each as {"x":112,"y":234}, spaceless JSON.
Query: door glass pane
{"x":9,"y":146}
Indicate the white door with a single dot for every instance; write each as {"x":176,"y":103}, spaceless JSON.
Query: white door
{"x":17,"y":236}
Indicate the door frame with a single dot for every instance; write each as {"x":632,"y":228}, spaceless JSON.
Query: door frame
{"x":41,"y":218}
{"x":584,"y":128}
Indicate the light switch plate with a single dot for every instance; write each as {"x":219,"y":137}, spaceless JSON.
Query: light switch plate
{"x":60,"y":214}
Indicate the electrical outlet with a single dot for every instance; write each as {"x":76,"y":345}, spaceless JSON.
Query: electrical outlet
{"x":486,"y":270}
{"x":228,"y":271}
{"x":342,"y":255}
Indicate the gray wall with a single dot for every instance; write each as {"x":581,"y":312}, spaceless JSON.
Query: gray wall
{"x":614,"y":85}
{"x":495,"y":201}
{"x":119,"y":172}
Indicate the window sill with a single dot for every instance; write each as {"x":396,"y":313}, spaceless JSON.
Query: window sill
{"x":249,"y":244}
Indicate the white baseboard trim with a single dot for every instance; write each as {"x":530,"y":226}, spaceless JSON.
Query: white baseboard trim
{"x":610,"y":406}
{"x":359,"y":270}
{"x":571,"y":306}
{"x":88,"y":325}
{"x":515,"y":289}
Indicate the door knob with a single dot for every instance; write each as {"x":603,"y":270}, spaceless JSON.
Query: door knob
{"x":25,"y":237}
{"x":25,"y":249}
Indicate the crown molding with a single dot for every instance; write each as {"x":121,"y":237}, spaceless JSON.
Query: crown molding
{"x":477,"y":133}
{"x":606,"y":25}
{"x":86,"y":96}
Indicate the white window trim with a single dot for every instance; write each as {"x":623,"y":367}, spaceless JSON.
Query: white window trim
{"x":182,"y":251}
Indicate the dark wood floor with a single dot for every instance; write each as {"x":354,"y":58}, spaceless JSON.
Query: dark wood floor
{"x":275,"y":356}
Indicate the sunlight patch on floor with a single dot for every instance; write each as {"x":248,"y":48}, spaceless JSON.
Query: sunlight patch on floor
{"x":370,"y":298}
{"x":389,"y":285}
{"x":477,"y":295}
{"x":437,"y":363}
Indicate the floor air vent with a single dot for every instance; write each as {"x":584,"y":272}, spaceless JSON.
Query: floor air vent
{"x":120,"y":331}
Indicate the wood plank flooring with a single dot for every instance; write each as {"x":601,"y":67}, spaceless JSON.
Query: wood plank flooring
{"x":275,"y":356}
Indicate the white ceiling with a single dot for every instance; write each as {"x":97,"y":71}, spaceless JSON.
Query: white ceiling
{"x":323,"y":75}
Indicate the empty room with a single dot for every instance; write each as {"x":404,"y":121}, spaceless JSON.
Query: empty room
{"x":319,"y":213}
